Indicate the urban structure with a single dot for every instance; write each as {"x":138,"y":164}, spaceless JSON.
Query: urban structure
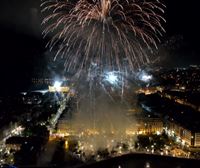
{"x":165,"y":122}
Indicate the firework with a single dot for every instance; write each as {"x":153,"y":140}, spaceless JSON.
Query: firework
{"x":109,"y":34}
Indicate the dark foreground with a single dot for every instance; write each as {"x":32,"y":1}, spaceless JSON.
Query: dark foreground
{"x":135,"y":161}
{"x":144,"y":161}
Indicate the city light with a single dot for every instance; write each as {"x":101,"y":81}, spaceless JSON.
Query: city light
{"x":66,"y":145}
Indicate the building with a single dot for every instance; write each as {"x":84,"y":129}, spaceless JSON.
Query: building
{"x":147,"y":123}
{"x":63,"y":89}
{"x":51,"y":84}
{"x":8,"y":130}
{"x":63,"y":126}
{"x":42,"y":81}
{"x":15,"y":142}
{"x":197,"y":139}
{"x":186,"y":136}
{"x":150,"y":125}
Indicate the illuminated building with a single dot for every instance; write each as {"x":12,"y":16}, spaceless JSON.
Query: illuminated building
{"x":197,"y":139}
{"x":148,"y":123}
{"x":15,"y":143}
{"x":7,"y":130}
{"x":63,"y":126}
{"x":186,"y":136}
{"x":149,"y":90}
{"x":63,"y":89}
{"x":52,"y":84}
{"x":42,"y":81}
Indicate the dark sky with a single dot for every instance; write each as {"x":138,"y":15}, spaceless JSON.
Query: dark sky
{"x":21,"y":46}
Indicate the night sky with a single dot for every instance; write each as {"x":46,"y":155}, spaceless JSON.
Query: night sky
{"x":22,"y":47}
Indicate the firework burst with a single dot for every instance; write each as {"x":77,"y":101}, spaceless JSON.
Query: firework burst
{"x":110,"y":34}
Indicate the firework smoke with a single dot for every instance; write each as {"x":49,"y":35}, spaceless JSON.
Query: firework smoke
{"x":100,"y":122}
